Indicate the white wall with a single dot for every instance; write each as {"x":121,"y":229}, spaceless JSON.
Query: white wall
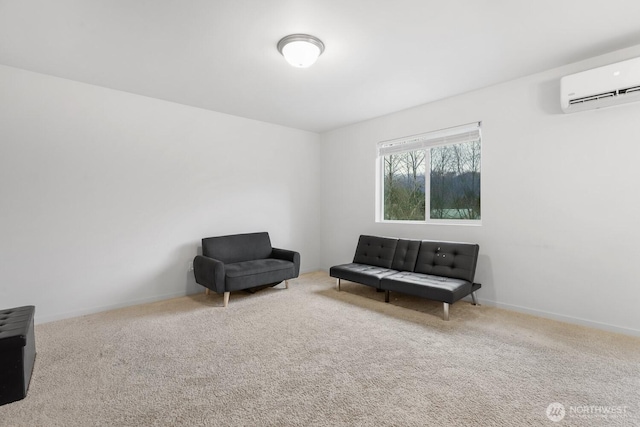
{"x":105,"y":195}
{"x":560,"y":234}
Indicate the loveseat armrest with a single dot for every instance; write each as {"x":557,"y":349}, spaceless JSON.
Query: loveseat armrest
{"x":287,"y":255}
{"x":209,"y":273}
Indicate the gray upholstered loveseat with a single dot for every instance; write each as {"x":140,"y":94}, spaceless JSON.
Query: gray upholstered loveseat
{"x":441,"y":271}
{"x":243,"y":261}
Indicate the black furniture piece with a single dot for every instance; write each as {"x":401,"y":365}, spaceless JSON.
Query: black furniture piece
{"x":243,"y":261}
{"x":17,"y":352}
{"x":441,"y":271}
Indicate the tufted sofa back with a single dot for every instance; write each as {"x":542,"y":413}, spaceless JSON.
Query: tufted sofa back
{"x":445,"y":259}
{"x":375,"y":250}
{"x":406,"y":255}
{"x":448,"y":259}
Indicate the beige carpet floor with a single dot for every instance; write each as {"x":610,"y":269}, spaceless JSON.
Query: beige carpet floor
{"x":313,"y":356}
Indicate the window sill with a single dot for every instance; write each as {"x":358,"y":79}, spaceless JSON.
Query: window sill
{"x":473,"y":223}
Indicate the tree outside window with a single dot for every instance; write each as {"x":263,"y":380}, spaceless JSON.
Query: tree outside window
{"x":450,"y":191}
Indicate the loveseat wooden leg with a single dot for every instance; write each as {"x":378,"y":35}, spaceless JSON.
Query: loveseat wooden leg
{"x":446,"y":311}
{"x":226,"y":298}
{"x":386,"y":296}
{"x":286,"y":284}
{"x":207,"y":291}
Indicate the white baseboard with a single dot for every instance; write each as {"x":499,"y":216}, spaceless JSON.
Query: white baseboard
{"x":562,"y":318}
{"x":92,"y":310}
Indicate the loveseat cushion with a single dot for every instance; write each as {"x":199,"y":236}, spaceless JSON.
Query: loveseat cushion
{"x":427,"y":286}
{"x":360,"y":273}
{"x":374,"y":250}
{"x":237,"y":247}
{"x":246,"y":274}
{"x":447,"y":259}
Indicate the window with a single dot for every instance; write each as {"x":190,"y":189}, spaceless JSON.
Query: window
{"x":432,"y":177}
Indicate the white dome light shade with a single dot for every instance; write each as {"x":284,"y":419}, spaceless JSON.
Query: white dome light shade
{"x":301,"y":54}
{"x":300,"y":50}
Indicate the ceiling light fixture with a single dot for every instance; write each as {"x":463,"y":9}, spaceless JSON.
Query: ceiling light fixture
{"x":300,"y":50}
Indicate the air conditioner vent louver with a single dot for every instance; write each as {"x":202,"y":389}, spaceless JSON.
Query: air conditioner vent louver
{"x":629,"y":90}
{"x":606,"y":86}
{"x":592,"y":98}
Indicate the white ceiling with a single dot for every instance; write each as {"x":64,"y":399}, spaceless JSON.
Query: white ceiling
{"x":381,"y":56}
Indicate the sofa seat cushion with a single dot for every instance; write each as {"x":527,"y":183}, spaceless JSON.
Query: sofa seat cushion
{"x":361,"y":273}
{"x":438,"y":288}
{"x":246,"y":274}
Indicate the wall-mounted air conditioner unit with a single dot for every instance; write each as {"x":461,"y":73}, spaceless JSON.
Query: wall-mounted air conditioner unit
{"x":612,"y":84}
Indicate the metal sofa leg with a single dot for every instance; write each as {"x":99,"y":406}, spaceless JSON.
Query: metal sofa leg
{"x":338,"y":284}
{"x":386,"y":296}
{"x":226,"y":298}
{"x":446,"y":311}
{"x":473,"y":297}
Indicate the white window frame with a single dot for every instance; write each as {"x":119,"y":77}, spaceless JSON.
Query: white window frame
{"x":449,"y":136}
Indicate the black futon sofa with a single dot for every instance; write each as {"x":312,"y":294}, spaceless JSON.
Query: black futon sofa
{"x":243,"y":261}
{"x":441,"y":271}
